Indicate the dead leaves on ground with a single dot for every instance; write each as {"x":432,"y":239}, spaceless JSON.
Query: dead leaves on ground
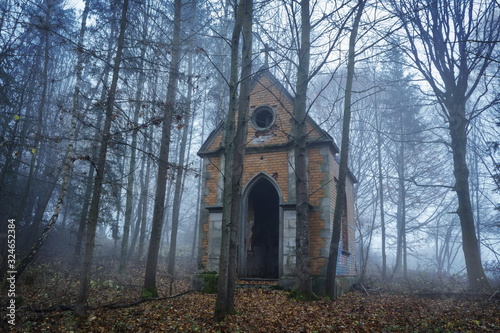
{"x":260,"y":310}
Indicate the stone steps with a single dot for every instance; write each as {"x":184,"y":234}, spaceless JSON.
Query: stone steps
{"x":257,"y":283}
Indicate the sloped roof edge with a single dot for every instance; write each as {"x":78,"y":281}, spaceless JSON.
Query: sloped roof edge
{"x":208,"y":141}
{"x":264,"y":71}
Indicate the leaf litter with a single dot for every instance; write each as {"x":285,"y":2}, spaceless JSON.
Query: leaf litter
{"x":257,"y":310}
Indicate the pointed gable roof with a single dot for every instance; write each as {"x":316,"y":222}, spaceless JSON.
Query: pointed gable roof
{"x":274,"y":89}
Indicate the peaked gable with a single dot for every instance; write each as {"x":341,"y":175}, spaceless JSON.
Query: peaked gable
{"x":270,"y":120}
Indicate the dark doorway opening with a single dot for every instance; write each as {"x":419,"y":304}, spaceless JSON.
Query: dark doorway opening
{"x":262,"y":232}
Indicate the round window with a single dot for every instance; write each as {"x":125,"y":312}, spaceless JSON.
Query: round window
{"x":262,"y":118}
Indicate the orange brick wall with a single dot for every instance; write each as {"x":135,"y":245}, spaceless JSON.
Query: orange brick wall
{"x":275,"y":164}
{"x":322,"y":173}
{"x":317,"y":224}
{"x":264,"y":93}
{"x":212,"y":173}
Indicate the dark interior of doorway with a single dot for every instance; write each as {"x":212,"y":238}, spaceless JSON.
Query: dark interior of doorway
{"x":263,"y":219}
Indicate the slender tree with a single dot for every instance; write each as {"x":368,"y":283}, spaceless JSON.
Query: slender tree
{"x":144,"y":207}
{"x":344,"y":154}
{"x":149,"y":288}
{"x":133,"y":147}
{"x":239,"y":148}
{"x":233,"y":161}
{"x":381,"y":194}
{"x":299,"y":134}
{"x":99,"y":178}
{"x":94,"y":154}
{"x":179,"y":176}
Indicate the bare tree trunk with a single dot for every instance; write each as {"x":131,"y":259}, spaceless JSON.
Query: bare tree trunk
{"x":145,"y":197}
{"x":137,"y":223}
{"x":381,"y":196}
{"x":176,"y":207}
{"x":458,"y":132}
{"x":82,"y":221}
{"x":365,"y":255}
{"x":44,"y":196}
{"x":133,"y":148}
{"x":344,"y":154}
{"x":200,"y":165}
{"x":401,"y":209}
{"x":221,"y":303}
{"x":96,"y":195}
{"x":168,"y":206}
{"x":475,"y":185}
{"x":94,"y":155}
{"x":302,"y":245}
{"x":149,"y":288}
{"x":234,"y":151}
{"x":128,"y":201}
{"x":117,"y":191}
{"x":239,"y":149}
{"x":8,"y":162}
{"x":138,"y":219}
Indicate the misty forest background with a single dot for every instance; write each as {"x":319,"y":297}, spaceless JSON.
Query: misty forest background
{"x":76,"y":76}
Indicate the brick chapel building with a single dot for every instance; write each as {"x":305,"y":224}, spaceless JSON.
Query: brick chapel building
{"x":267,"y":224}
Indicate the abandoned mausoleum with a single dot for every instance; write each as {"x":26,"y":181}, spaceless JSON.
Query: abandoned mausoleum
{"x":267,"y":224}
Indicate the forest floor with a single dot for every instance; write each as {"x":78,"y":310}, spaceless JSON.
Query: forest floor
{"x":47,"y":291}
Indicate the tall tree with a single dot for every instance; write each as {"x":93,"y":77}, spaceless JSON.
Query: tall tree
{"x":144,"y":207}
{"x":94,"y":149}
{"x":133,"y":146}
{"x":179,"y":175}
{"x":99,"y":178}
{"x":381,"y":193}
{"x":451,"y":44}
{"x":344,"y":154}
{"x":149,"y":288}
{"x":239,"y":147}
{"x":299,"y":134}
{"x":402,"y":124}
{"x":233,"y":157}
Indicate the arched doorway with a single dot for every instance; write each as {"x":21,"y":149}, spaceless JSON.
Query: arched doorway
{"x":259,"y":256}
